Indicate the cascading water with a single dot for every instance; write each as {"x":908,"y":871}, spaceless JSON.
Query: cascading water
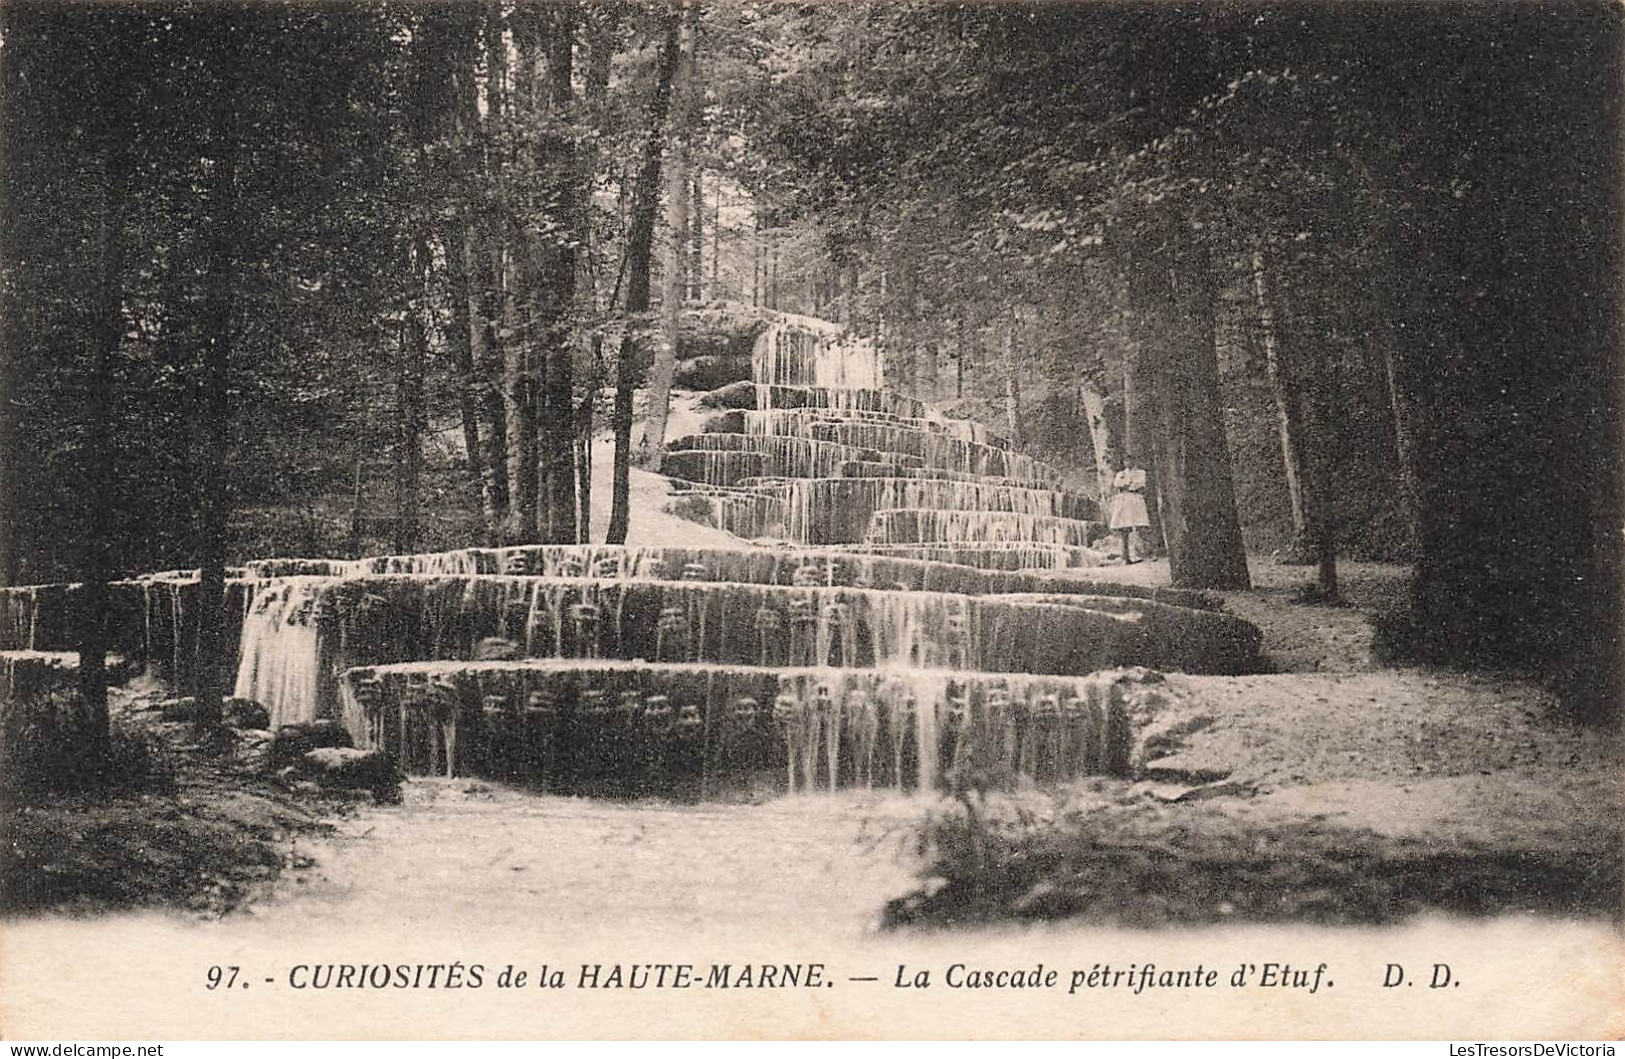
{"x":941,"y":626}
{"x":829,"y":448}
{"x":611,"y":726}
{"x":280,"y":656}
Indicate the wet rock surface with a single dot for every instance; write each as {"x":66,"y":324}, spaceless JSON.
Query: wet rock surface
{"x":293,"y":741}
{"x":344,"y":768}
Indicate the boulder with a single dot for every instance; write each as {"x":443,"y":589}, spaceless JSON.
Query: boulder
{"x":737,"y":395}
{"x":245,"y":713}
{"x":346,"y":768}
{"x":294,"y":741}
{"x":711,"y":372}
{"x":237,"y":713}
{"x":724,"y":423}
{"x":177,"y":710}
{"x":253,"y":748}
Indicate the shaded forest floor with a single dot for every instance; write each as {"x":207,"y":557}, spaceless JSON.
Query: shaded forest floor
{"x":202,"y":829}
{"x":1333,"y":789}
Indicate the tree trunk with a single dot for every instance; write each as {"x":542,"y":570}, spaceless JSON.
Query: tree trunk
{"x":506,"y":252}
{"x":716,"y":244}
{"x":1304,"y":435}
{"x":413,"y":421}
{"x":627,"y":373}
{"x":640,"y":256}
{"x":558,"y":410}
{"x":1409,"y":422}
{"x":602,"y":37}
{"x":448,"y":113}
{"x":671,"y":299}
{"x":1285,"y":404}
{"x":696,"y":236}
{"x":10,"y":379}
{"x":519,"y":406}
{"x":460,"y":339}
{"x":466,"y":251}
{"x":107,"y":333}
{"x":1139,"y":445}
{"x":756,"y":266}
{"x":485,"y":350}
{"x":584,"y":429}
{"x":849,"y":279}
{"x":1094,"y":410}
{"x":1197,"y":496}
{"x":220,"y":298}
{"x":773,"y":274}
{"x":1012,"y":382}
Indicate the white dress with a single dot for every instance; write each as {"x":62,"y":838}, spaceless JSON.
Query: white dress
{"x":1128,"y":509}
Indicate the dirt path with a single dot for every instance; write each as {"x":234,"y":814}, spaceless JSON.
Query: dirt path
{"x":468,"y":874}
{"x":652,"y":524}
{"x":497,"y":854}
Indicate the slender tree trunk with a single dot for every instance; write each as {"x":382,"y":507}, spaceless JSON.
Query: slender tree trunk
{"x":447,"y":112}
{"x":107,"y":334}
{"x":559,"y":417}
{"x":604,"y":30}
{"x":773,"y":274}
{"x":1140,"y":446}
{"x":486,"y":353}
{"x":519,"y":405}
{"x":525,"y":366}
{"x":1094,"y":410}
{"x":584,"y":429}
{"x":677,"y":207}
{"x":510,"y":296}
{"x":10,"y":374}
{"x":1286,"y":408}
{"x":413,"y":415}
{"x":483,"y":387}
{"x":696,"y":237}
{"x":1012,"y":382}
{"x":1304,"y":434}
{"x":756,"y":264}
{"x":933,"y":361}
{"x":849,"y":280}
{"x":640,"y":255}
{"x":355,"y":510}
{"x":460,"y":339}
{"x":716,"y":243}
{"x":628,"y":371}
{"x":1409,"y":426}
{"x":214,"y":469}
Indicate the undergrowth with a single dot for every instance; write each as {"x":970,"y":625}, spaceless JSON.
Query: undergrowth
{"x":1114,"y":856}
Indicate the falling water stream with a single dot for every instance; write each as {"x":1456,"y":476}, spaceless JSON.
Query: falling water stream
{"x":935,"y":617}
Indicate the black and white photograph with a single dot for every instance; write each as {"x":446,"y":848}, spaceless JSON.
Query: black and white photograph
{"x":863,"y":519}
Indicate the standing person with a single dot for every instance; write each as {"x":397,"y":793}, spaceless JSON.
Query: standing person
{"x":1128,"y":511}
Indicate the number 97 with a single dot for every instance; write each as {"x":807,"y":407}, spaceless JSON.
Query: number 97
{"x":222,"y":977}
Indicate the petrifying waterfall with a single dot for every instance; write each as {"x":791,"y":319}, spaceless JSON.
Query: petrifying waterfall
{"x":826,"y":455}
{"x":930,"y":616}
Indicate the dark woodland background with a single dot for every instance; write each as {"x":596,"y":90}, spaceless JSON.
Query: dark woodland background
{"x":266,"y":268}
